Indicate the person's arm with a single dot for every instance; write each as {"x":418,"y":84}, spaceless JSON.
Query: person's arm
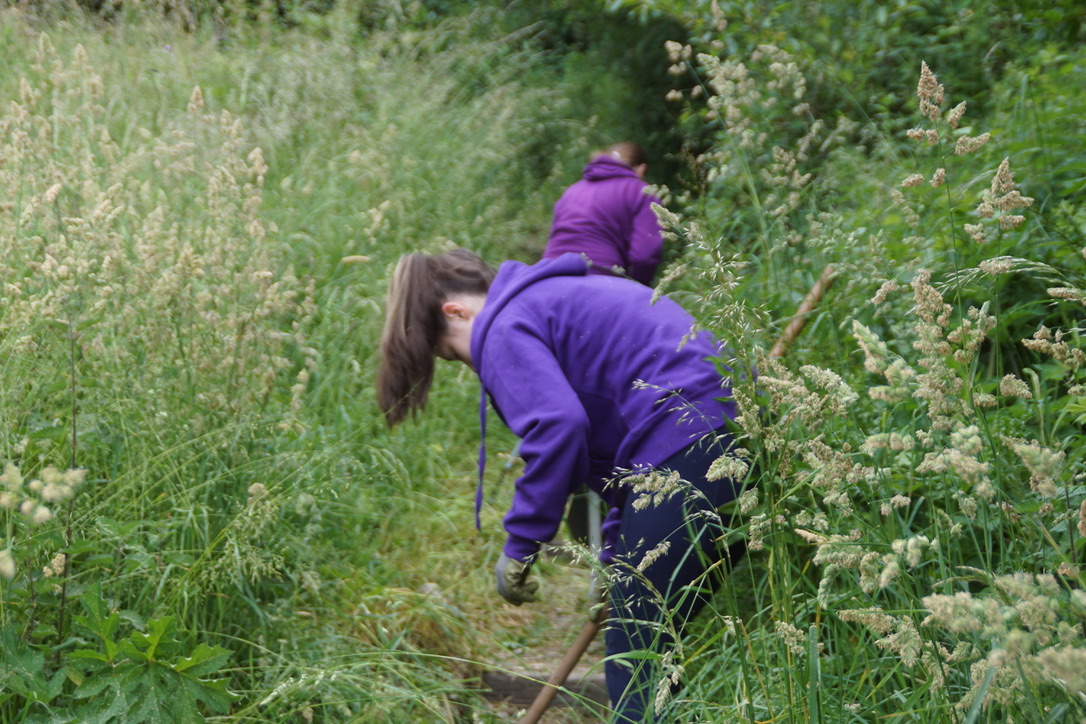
{"x":646,"y":242}
{"x":538,"y":404}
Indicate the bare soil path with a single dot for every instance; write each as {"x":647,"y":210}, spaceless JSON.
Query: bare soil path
{"x":542,"y":633}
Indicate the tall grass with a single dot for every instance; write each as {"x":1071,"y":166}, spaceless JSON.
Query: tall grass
{"x":198,"y":495}
{"x":914,"y":523}
{"x":194,"y":233}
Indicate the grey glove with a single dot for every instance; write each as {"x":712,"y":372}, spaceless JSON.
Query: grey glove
{"x":513,"y":583}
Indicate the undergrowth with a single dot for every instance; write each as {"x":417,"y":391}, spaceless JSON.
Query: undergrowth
{"x":915,"y":516}
{"x":204,"y":517}
{"x":199,"y":497}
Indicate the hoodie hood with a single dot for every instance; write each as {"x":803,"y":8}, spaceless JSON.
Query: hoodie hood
{"x":513,"y":277}
{"x":605,"y":167}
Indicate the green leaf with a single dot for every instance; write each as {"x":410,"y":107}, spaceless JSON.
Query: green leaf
{"x":56,"y":684}
{"x":22,"y":668}
{"x":102,"y":628}
{"x":53,"y":718}
{"x":95,"y":685}
{"x":132,"y":651}
{"x":213,"y":694}
{"x":159,"y":633}
{"x":84,"y":546}
{"x":105,"y":710}
{"x":121,"y":530}
{"x":101,"y":560}
{"x":53,"y":432}
{"x":204,"y":660}
{"x":153,"y":702}
{"x":132,"y":617}
{"x":86,"y":655}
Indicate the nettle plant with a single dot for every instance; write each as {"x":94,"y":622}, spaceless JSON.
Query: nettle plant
{"x":946,"y":502}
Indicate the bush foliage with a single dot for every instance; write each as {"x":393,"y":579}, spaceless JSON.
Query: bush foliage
{"x":203,"y":515}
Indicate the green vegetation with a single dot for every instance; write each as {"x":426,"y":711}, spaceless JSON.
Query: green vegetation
{"x":203,"y":514}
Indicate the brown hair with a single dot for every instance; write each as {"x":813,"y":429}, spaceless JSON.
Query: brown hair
{"x":413,"y":324}
{"x":630,"y":153}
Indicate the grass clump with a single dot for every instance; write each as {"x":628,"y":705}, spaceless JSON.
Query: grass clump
{"x":192,"y":288}
{"x":914,"y":522}
{"x":196,"y":221}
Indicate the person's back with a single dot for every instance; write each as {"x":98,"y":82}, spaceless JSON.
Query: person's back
{"x":608,"y":217}
{"x":622,"y":353}
{"x":593,"y":376}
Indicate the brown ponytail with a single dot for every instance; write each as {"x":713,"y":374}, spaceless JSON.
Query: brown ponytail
{"x":414,"y":323}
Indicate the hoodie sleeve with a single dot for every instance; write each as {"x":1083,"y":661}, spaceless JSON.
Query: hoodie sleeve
{"x":534,"y":398}
{"x":646,"y":243}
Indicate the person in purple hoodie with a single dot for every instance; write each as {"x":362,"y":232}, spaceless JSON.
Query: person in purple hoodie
{"x":605,"y":387}
{"x":608,"y":217}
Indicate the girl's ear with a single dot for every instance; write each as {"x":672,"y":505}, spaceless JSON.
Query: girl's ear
{"x":453,"y":310}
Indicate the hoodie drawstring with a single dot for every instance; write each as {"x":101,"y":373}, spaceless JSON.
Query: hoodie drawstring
{"x":482,"y":457}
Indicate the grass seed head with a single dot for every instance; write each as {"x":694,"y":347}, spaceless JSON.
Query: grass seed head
{"x":930,"y":93}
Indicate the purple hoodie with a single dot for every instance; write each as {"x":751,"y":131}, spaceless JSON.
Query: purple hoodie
{"x":593,"y":377}
{"x":608,"y":217}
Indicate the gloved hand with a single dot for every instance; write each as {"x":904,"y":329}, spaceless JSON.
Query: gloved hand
{"x":513,"y":583}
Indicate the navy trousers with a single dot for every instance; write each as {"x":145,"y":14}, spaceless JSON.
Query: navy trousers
{"x":651,"y":602}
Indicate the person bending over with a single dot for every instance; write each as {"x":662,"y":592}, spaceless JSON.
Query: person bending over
{"x":604,"y":387}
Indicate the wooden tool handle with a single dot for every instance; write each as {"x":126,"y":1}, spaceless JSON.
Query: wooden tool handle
{"x":558,"y":678}
{"x":795,"y":326}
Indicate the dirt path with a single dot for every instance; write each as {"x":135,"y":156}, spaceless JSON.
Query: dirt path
{"x":548,"y":630}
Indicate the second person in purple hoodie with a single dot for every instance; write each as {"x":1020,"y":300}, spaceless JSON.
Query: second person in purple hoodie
{"x":601,"y":384}
{"x":608,"y":217}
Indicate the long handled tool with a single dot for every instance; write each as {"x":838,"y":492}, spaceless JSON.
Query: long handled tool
{"x":795,"y":326}
{"x":558,"y":678}
{"x":588,"y":632}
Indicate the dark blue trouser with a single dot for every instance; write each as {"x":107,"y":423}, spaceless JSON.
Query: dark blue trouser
{"x":639,"y":616}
